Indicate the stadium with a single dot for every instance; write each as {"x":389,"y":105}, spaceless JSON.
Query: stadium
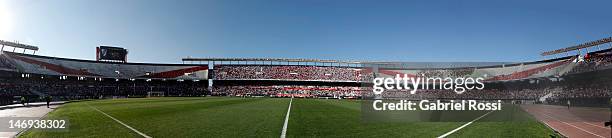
{"x":305,"y":68}
{"x":272,"y":97}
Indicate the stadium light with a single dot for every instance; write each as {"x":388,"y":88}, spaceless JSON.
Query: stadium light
{"x":118,"y":75}
{"x":18,"y":45}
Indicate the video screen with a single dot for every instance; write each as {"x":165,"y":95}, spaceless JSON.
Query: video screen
{"x":112,"y":53}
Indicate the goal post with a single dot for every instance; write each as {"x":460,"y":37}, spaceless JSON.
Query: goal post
{"x":155,"y":94}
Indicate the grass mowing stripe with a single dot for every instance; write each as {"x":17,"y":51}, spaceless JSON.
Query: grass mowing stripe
{"x":209,"y":117}
{"x":464,"y":125}
{"x":263,"y":117}
{"x":284,"y":131}
{"x":342,"y":118}
{"x":140,"y":133}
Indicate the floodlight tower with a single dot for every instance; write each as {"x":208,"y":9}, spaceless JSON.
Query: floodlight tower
{"x":16,"y":45}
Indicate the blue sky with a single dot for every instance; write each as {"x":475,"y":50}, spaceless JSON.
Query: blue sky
{"x":389,"y":30}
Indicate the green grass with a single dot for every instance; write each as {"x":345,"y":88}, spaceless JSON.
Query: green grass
{"x":342,"y":118}
{"x":262,"y":117}
{"x":173,"y":117}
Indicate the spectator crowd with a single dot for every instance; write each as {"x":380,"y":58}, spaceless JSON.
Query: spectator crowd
{"x":239,"y":72}
{"x":92,"y":89}
{"x":592,"y":62}
{"x":288,"y":91}
{"x":33,"y":88}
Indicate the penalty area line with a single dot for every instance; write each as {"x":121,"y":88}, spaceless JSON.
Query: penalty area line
{"x":464,"y":125}
{"x":284,"y":131}
{"x":116,"y":120}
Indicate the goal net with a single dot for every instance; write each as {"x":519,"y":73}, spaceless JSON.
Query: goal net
{"x":155,"y":94}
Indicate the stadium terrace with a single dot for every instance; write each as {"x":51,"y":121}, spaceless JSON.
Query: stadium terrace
{"x":268,"y":76}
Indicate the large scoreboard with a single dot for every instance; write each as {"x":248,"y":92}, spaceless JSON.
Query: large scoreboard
{"x":108,"y":53}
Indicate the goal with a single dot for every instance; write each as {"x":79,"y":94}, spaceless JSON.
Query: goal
{"x":155,"y":94}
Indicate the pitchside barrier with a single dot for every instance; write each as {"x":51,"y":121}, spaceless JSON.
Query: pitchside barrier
{"x":581,"y":102}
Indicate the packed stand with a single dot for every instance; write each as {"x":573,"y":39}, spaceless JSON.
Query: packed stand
{"x":587,"y":95}
{"x":594,"y":62}
{"x":288,"y":91}
{"x":9,"y":92}
{"x":452,"y":73}
{"x":583,"y":92}
{"x":239,"y":72}
{"x":94,"y":89}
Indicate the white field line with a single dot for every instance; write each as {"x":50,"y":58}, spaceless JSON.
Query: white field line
{"x":284,"y":132}
{"x":464,"y":125}
{"x":131,"y":128}
{"x":572,"y":125}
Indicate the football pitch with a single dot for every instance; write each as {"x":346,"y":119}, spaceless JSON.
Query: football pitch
{"x":259,"y":117}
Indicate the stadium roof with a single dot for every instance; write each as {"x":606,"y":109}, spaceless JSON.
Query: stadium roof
{"x":577,"y":47}
{"x":385,"y":64}
{"x":18,"y":45}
